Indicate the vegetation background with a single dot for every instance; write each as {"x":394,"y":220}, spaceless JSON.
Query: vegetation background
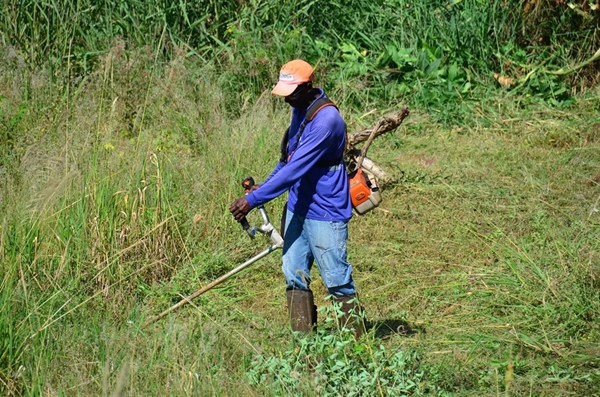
{"x":126,"y":128}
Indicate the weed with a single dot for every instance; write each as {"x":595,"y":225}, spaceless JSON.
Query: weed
{"x":330,"y":363}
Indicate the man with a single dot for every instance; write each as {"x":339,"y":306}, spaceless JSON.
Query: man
{"x":312,"y":170}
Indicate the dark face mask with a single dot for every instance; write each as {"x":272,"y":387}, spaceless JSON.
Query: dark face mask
{"x":301,"y":97}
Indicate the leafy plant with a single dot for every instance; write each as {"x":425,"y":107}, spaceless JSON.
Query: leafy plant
{"x":333,"y":363}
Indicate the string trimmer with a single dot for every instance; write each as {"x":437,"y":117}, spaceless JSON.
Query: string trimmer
{"x":266,"y":228}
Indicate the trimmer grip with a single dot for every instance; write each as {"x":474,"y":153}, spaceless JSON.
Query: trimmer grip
{"x":245,"y":224}
{"x":247,"y":227}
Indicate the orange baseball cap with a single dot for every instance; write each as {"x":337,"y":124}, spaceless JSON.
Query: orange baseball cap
{"x":291,"y":75}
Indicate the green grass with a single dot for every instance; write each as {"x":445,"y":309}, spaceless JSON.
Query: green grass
{"x":114,"y":196}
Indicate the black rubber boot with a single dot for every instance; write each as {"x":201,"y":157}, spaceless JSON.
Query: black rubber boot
{"x":302,"y":310}
{"x":352,"y":316}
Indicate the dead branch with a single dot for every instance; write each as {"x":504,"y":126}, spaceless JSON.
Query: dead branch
{"x":385,"y":124}
{"x":356,"y":157}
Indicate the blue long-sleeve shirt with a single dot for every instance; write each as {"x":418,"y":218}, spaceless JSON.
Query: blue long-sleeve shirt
{"x":315,"y":191}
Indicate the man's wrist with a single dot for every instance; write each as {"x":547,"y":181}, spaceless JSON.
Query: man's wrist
{"x":251,"y":200}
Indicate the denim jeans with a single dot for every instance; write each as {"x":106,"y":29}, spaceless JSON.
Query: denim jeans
{"x":309,"y":240}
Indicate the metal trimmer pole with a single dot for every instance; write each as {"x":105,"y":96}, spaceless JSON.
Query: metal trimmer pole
{"x":212,"y":284}
{"x":266,"y":228}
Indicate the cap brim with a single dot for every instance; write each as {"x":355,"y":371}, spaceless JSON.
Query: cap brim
{"x":284,"y":89}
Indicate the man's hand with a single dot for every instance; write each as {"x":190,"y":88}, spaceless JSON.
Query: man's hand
{"x":240,"y":208}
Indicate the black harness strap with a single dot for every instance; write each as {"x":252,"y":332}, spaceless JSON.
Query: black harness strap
{"x":310,"y":115}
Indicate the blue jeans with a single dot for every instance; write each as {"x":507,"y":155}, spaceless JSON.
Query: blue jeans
{"x":307,"y":240}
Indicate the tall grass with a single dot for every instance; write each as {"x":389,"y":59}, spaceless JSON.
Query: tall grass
{"x":433,"y":53}
{"x":102,"y":211}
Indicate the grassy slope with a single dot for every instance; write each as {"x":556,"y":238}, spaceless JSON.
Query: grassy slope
{"x":491,"y":246}
{"x":486,"y":247}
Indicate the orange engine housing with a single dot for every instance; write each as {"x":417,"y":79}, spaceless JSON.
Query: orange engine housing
{"x":359,"y":188}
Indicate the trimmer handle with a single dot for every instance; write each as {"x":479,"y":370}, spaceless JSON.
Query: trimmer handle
{"x":247,"y":184}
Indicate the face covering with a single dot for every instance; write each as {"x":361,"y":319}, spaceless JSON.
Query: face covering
{"x":301,"y":97}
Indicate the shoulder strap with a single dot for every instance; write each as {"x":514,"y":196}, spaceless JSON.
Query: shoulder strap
{"x":284,"y":143}
{"x":318,"y":105}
